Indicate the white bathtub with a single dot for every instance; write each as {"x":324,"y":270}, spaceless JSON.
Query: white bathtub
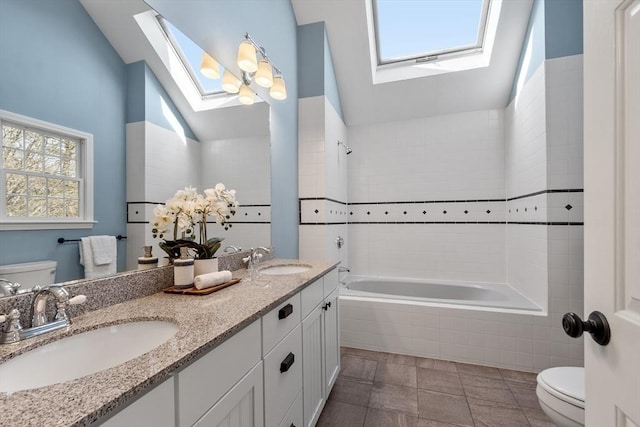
{"x":459,"y":293}
{"x":487,"y":324}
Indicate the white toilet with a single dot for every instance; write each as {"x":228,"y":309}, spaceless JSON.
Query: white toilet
{"x":561,"y":395}
{"x":30,"y":274}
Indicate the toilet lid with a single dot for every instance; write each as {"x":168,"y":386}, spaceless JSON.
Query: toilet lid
{"x":566,"y":383}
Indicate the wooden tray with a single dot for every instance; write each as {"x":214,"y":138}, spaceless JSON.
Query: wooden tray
{"x":196,"y":291}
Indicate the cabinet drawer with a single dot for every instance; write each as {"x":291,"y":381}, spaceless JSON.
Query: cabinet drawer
{"x":204,"y":382}
{"x":312,"y":295}
{"x":279,"y":322}
{"x":330,"y":282}
{"x":293,"y":418}
{"x":282,"y":377}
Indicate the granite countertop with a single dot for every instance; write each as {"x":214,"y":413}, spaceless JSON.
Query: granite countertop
{"x":205,"y":321}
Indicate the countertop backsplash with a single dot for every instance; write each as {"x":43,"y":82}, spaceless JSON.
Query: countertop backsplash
{"x":112,"y":290}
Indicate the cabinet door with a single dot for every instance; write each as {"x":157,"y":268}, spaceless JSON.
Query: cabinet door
{"x":331,"y":341}
{"x":242,"y":406}
{"x":154,"y":409}
{"x":313,"y":365}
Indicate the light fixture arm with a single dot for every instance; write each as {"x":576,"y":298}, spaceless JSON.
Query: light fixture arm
{"x":263,"y":53}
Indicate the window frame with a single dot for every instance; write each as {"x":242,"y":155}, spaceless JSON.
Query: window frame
{"x":152,"y":30}
{"x":441,"y":54}
{"x":85,"y":178}
{"x":171,"y":41}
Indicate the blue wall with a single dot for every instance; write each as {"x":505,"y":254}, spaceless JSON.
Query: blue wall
{"x":146,"y":97}
{"x":554,"y":31}
{"x":563,"y":23}
{"x":310,"y":60}
{"x":219,"y":27}
{"x":316,"y":75}
{"x":56,"y":65}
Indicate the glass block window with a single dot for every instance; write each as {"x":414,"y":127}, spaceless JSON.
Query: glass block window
{"x":42,"y":174}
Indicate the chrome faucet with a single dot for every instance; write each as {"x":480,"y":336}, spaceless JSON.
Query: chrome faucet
{"x":254,"y":259}
{"x":231,"y":249}
{"x":342,"y":270}
{"x":39,"y":305}
{"x":8,"y":288}
{"x":12,"y":331}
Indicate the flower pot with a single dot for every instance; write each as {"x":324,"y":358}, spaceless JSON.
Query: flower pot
{"x":204,"y":266}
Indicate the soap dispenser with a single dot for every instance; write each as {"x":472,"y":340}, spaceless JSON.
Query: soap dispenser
{"x":183,"y":270}
{"x":148,"y":260}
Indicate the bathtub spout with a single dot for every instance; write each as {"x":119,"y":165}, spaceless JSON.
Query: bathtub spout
{"x":342,"y":270}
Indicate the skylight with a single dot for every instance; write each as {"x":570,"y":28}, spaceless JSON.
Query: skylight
{"x":426,"y":30}
{"x":191,"y":54}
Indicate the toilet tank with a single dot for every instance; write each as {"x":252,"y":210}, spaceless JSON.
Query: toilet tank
{"x":30,"y":274}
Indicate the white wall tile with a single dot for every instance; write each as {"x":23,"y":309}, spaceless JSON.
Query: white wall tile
{"x":525,"y":138}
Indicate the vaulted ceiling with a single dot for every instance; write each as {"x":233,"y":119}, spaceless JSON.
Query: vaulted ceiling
{"x":362,"y":101}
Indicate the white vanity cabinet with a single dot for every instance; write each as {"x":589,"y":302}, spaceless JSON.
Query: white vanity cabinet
{"x":217,"y":387}
{"x":276,"y":372}
{"x":320,"y":344}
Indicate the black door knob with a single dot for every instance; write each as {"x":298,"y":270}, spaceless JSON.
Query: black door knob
{"x":597,"y":325}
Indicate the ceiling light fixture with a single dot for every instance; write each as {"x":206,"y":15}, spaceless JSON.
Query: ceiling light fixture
{"x":264,"y":73}
{"x":246,"y":96}
{"x":230,"y":83}
{"x":209,"y":67}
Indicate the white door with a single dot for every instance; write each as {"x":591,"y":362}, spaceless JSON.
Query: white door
{"x":612,"y":208}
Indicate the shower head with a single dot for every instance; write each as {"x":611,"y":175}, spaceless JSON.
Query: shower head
{"x":347,"y":149}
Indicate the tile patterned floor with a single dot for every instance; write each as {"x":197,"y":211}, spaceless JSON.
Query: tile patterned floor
{"x":392,"y":390}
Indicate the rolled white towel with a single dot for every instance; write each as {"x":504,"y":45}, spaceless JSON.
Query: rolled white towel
{"x":208,"y":280}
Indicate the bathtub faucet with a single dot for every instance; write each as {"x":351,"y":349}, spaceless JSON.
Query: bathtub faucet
{"x":342,"y":270}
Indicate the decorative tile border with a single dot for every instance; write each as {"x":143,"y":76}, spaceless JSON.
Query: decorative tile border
{"x":142,"y":212}
{"x":322,"y":211}
{"x":547,"y":207}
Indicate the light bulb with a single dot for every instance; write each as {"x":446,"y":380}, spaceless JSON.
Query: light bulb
{"x":246,"y":95}
{"x":264,"y":75}
{"x":278,"y":90}
{"x":209,"y":67}
{"x":247,"y":60}
{"x":230,"y":83}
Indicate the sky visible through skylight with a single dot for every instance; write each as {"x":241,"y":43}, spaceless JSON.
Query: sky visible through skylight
{"x":193,"y":54}
{"x":410,"y":28}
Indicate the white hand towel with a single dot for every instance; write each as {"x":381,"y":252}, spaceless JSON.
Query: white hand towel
{"x":91,"y":270}
{"x":208,"y":280}
{"x":104,"y":249}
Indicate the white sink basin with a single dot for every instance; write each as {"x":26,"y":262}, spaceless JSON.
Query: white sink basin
{"x":83,"y":354}
{"x":285,"y":269}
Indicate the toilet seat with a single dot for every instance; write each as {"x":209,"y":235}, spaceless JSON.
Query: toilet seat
{"x":561,"y":395}
{"x":564,"y":383}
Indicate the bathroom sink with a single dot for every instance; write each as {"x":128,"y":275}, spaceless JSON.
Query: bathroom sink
{"x":79,"y":355}
{"x":277,"y":270}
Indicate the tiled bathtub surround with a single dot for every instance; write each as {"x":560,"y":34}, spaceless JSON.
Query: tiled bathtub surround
{"x":526,"y":160}
{"x":524,"y":342}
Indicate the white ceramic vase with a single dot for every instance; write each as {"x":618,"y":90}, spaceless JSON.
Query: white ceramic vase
{"x":204,"y":266}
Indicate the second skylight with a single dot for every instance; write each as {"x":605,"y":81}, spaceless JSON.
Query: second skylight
{"x":413,"y":29}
